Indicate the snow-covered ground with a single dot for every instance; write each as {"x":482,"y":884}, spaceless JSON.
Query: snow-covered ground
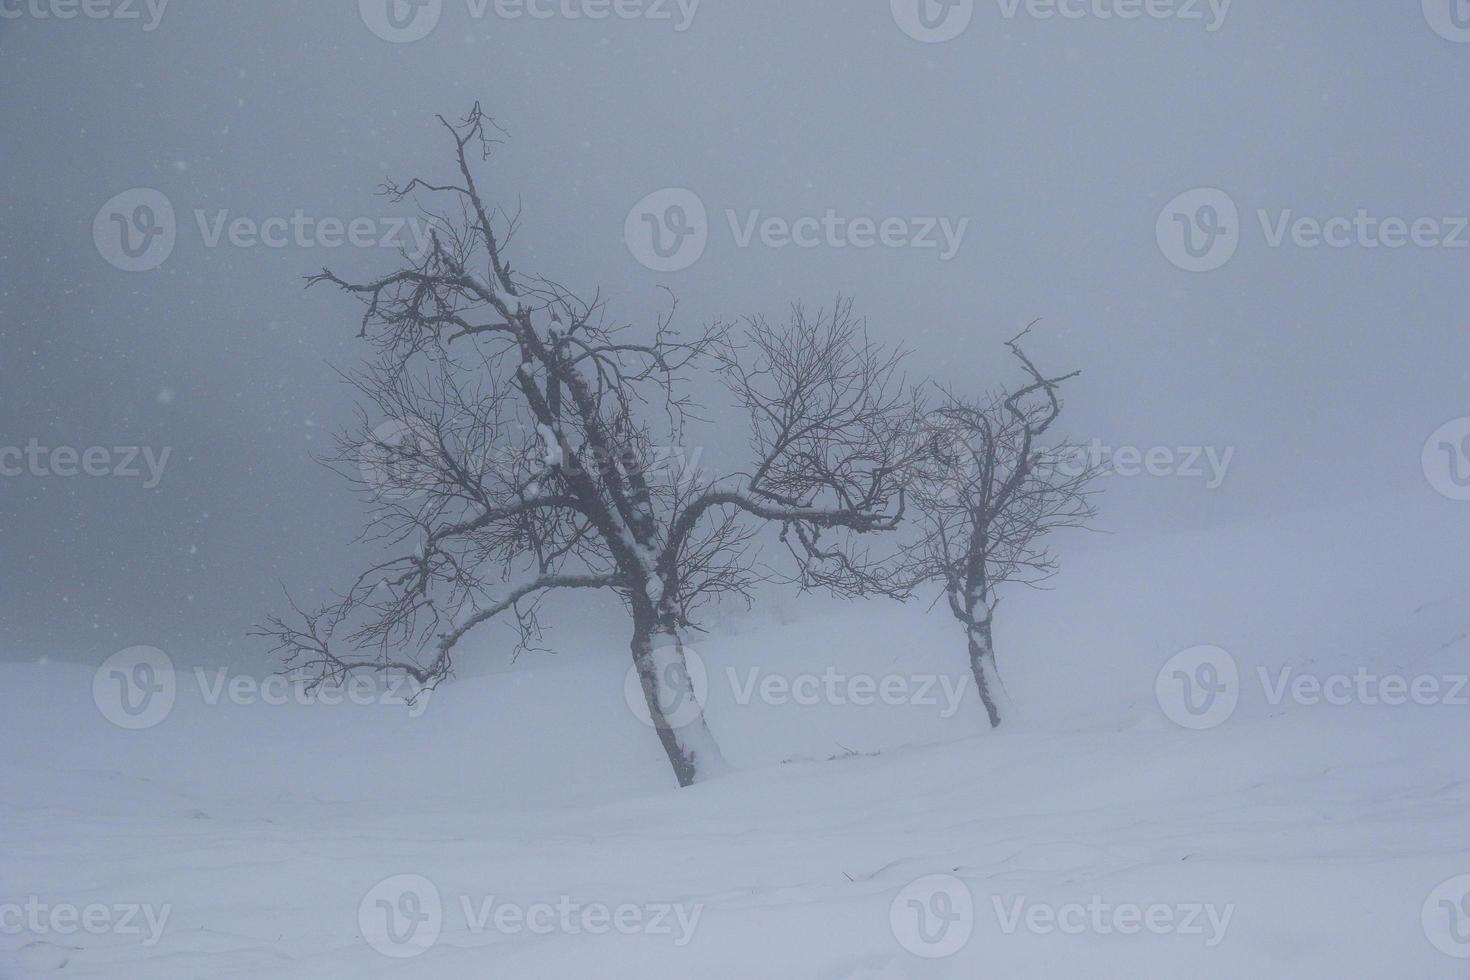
{"x":522,"y":823}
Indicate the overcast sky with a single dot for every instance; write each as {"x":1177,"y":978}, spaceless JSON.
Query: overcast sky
{"x":1050,"y":149}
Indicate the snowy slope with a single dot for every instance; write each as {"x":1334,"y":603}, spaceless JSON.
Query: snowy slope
{"x":1293,"y":839}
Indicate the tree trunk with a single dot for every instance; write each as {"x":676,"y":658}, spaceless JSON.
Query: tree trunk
{"x":675,"y":710}
{"x":987,"y":678}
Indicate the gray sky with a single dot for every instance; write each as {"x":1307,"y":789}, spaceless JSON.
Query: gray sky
{"x":1059,"y":140}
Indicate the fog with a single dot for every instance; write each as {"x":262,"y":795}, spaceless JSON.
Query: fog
{"x":1247,"y":224}
{"x":1058,"y":140}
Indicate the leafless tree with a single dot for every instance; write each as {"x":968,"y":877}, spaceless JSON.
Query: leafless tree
{"x":518,"y":458}
{"x":987,"y":497}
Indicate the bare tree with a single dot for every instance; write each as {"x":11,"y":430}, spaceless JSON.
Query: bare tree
{"x":519,"y":459}
{"x":988,"y":496}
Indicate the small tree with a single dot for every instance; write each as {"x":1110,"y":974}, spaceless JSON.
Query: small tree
{"x":520,"y":457}
{"x":988,"y":497}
